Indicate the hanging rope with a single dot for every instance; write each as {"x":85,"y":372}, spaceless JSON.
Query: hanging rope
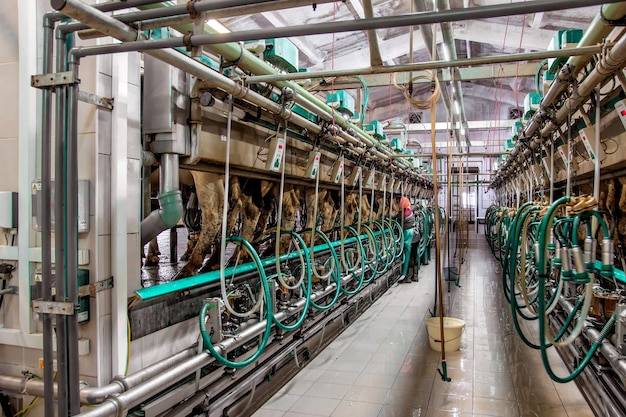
{"x":421,"y":103}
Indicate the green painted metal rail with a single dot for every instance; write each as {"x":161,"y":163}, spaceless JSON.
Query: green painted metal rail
{"x":214,"y":276}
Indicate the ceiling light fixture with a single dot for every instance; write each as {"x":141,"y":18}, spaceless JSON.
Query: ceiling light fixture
{"x":217,"y":26}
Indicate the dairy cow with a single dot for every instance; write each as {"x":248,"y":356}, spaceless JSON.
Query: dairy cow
{"x":246,"y":200}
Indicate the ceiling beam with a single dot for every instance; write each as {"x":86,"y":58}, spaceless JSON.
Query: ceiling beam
{"x":472,"y":31}
{"x":536,"y":24}
{"x":358,"y":12}
{"x":492,"y":33}
{"x":389,"y":50}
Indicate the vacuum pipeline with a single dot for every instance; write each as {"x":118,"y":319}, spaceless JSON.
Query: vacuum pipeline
{"x":96,"y":395}
{"x":617,"y":361}
{"x":217,"y":13}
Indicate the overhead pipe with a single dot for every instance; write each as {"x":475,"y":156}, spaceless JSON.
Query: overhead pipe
{"x":235,"y":53}
{"x":422,"y":66}
{"x":470,"y":154}
{"x":448,"y":39}
{"x":599,"y":29}
{"x":428,"y":41}
{"x":217,"y":13}
{"x":376,"y":59}
{"x":454,"y":15}
{"x":246,"y":60}
{"x":606,"y":67}
{"x":112,"y":27}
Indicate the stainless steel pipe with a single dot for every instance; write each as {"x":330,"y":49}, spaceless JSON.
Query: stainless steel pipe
{"x":218,"y":13}
{"x":96,"y":395}
{"x":123,"y":32}
{"x":422,"y":66}
{"x":455,"y":15}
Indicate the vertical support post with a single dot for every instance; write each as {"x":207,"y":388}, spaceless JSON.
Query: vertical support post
{"x":119,"y":208}
{"x":59,"y":225}
{"x":71,"y":271}
{"x":46,"y":153}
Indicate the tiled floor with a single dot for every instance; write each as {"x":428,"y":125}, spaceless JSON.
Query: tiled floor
{"x":382,"y":364}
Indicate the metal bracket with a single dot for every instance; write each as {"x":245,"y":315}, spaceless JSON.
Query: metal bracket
{"x":104,"y":103}
{"x":54,"y":307}
{"x":53,"y":79}
{"x":92,"y":289}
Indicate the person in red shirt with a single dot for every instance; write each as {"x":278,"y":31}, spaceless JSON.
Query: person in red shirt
{"x":406,"y":218}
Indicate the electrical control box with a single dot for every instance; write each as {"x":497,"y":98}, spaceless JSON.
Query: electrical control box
{"x":397,"y":144}
{"x":8,"y":209}
{"x":83,"y":205}
{"x":313,"y":165}
{"x":509,"y":144}
{"x":548,"y":79}
{"x":562,"y":39}
{"x":214,"y":319}
{"x":620,"y":108}
{"x":374,"y":128}
{"x":282,"y":53}
{"x":83,"y":302}
{"x":531,"y":104}
{"x":304,"y":113}
{"x":588,"y":138}
{"x":516,"y":129}
{"x":353,"y":179}
{"x":337,"y":172}
{"x":276,"y":153}
{"x":342,"y":102}
{"x":356,"y":118}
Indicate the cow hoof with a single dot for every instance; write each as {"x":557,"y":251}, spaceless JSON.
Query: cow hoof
{"x":183,"y":273}
{"x":151,"y":261}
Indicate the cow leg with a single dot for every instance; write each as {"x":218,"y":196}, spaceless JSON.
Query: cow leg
{"x":192,"y":239}
{"x":290,"y":209}
{"x":250,"y":217}
{"x":210,"y":190}
{"x":214,"y":260}
{"x":152,"y":258}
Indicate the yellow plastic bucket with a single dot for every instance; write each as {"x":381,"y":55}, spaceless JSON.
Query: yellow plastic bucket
{"x":452,"y":331}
